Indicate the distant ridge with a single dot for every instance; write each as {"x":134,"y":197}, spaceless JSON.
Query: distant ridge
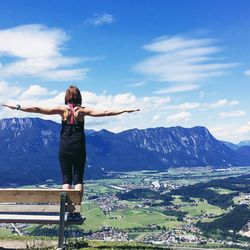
{"x":28,"y":150}
{"x":231,"y":145}
{"x":244,"y":143}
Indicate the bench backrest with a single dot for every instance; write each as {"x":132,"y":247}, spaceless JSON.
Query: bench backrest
{"x":38,"y":200}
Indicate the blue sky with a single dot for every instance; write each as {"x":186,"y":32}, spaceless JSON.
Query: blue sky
{"x":182,"y":62}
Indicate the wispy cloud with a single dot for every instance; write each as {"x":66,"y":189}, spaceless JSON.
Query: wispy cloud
{"x":237,"y":113}
{"x":221,"y":103}
{"x":36,"y":50}
{"x":177,"y":89}
{"x":100,"y":19}
{"x":137,"y":84}
{"x":204,"y":106}
{"x":183,"y":59}
{"x":182,"y":116}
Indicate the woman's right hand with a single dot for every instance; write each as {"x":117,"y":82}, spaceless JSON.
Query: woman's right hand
{"x":132,"y":110}
{"x":9,"y":106}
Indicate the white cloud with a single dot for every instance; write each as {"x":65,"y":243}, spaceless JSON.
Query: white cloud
{"x":232,"y":132}
{"x":124,"y":99}
{"x":155,"y":102}
{"x":244,"y":129}
{"x":237,"y":113}
{"x":156,"y":117}
{"x":35,"y":50}
{"x":184,"y":106}
{"x":8,"y":91}
{"x":182,"y":59}
{"x":31,"y":41}
{"x":34,"y":91}
{"x":182,"y":116}
{"x":221,"y":103}
{"x":176,"y":89}
{"x":100,"y":19}
{"x":151,"y":106}
{"x":223,"y":131}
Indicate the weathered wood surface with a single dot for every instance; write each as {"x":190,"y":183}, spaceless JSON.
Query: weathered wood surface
{"x":36,"y":219}
{"x":22,"y":208}
{"x":38,"y":195}
{"x":33,"y":219}
{"x":16,"y":203}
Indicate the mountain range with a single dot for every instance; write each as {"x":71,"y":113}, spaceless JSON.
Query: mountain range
{"x":29,"y":146}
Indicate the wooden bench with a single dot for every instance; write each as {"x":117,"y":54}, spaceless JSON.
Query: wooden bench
{"x":40,"y":206}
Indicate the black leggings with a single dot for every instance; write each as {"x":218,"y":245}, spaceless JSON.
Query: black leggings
{"x":72,"y":167}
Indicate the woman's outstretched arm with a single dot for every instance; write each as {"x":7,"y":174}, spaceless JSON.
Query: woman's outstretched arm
{"x":99,"y":113}
{"x":39,"y":110}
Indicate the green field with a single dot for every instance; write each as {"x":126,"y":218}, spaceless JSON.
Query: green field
{"x":222,"y":190}
{"x":130,"y":218}
{"x":200,"y":208}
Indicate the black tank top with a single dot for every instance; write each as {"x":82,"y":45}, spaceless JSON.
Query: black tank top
{"x":72,"y":138}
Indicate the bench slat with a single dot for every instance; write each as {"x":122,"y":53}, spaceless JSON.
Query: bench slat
{"x":33,"y":219}
{"x":36,"y":219}
{"x":38,"y":195}
{"x":37,"y":208}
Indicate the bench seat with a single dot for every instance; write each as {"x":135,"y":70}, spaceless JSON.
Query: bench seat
{"x":41,"y":206}
{"x":36,"y":219}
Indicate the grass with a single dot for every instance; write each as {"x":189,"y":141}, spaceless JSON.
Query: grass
{"x":177,"y":200}
{"x":216,"y":246}
{"x":208,"y":219}
{"x":97,"y":189}
{"x":238,"y":199}
{"x":4,"y":232}
{"x":222,"y":190}
{"x":196,"y":209}
{"x":134,"y":236}
{"x":123,"y":219}
{"x":140,"y":218}
{"x":120,"y":245}
{"x":30,"y":228}
{"x":95,"y":216}
{"x":41,"y":242}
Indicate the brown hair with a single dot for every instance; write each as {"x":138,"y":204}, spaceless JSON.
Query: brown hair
{"x":73,"y":95}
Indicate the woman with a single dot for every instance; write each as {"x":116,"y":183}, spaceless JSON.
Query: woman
{"x":72,"y":153}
